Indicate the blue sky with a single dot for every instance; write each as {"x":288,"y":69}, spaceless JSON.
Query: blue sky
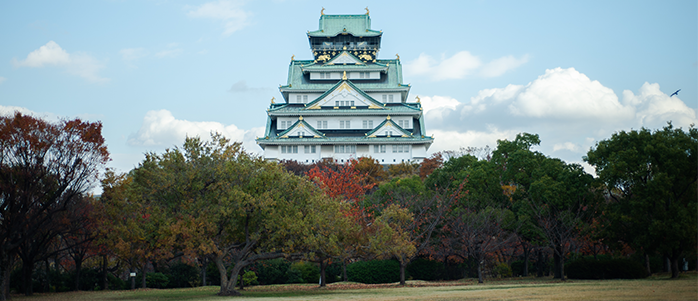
{"x":155,"y":71}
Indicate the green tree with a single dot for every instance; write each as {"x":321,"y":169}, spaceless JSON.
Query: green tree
{"x":228,"y":205}
{"x":650,"y":180}
{"x":558,"y":197}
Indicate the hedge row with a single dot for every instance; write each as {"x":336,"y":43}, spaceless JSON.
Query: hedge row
{"x":604,"y":268}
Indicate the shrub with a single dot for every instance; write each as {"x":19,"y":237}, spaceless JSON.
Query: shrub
{"x":374,"y":271}
{"x":333,"y":272}
{"x":502,"y":270}
{"x":517,"y":267}
{"x":309,"y":271}
{"x":272,"y":271}
{"x":425,"y":269}
{"x":152,"y":280}
{"x":604,"y":268}
{"x":294,"y":275}
{"x":250,"y":278}
{"x":182,"y":275}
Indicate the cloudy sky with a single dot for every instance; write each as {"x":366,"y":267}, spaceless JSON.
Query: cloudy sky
{"x":152,"y":72}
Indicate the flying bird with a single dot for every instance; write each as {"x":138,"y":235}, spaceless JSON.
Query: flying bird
{"x":675,"y":93}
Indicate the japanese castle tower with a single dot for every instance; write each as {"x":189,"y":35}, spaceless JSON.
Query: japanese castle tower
{"x":345,"y":103}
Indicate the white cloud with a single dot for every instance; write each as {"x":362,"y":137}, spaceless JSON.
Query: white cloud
{"x":2,"y":79}
{"x":455,"y":140}
{"x":490,"y":96}
{"x":131,"y":54}
{"x":568,"y":110}
{"x":460,"y":65}
{"x":502,"y":65}
{"x":438,"y":102}
{"x":230,"y":13}
{"x":79,"y":64}
{"x":568,"y":94}
{"x":455,"y":67}
{"x":10,"y":110}
{"x":654,"y":108}
{"x":161,"y":128}
{"x":567,"y":146}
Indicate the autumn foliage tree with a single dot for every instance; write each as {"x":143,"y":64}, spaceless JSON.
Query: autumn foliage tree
{"x":44,"y":168}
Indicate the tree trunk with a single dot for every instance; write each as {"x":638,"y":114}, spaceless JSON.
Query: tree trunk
{"x":556,"y":265}
{"x":647,"y":264}
{"x":5,"y":267}
{"x":143,"y":283}
{"x":480,"y":278}
{"x":403,"y":266}
{"x":78,"y":268}
{"x":675,"y":267}
{"x":540,"y":263}
{"x":47,"y":282}
{"x":323,"y":267}
{"x":562,"y":268}
{"x":105,"y":283}
{"x":229,"y":288}
{"x":27,"y":270}
{"x":344,"y":270}
{"x":527,"y":251}
{"x":224,"y":276}
{"x":203,"y":273}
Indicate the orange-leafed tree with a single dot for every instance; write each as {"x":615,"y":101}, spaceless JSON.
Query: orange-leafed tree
{"x":44,"y":168}
{"x":430,"y":164}
{"x":348,"y":185}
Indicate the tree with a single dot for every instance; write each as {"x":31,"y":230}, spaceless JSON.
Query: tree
{"x":650,"y":179}
{"x":44,"y":167}
{"x":478,"y":234}
{"x":481,"y":222}
{"x":227,"y":205}
{"x":430,"y":164}
{"x":348,"y":184}
{"x":558,"y":197}
{"x":427,"y":208}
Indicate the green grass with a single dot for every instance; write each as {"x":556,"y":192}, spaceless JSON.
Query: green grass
{"x":658,"y":287}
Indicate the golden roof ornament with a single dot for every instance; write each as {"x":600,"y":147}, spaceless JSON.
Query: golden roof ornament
{"x":322,"y":11}
{"x":388,"y":118}
{"x":417,"y":97}
{"x":272,"y":100}
{"x":344,"y":76}
{"x":398,"y":56}
{"x":292,"y":56}
{"x":300,"y":118}
{"x":367,"y":11}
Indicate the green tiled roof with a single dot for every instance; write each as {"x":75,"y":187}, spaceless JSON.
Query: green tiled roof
{"x":327,"y":67}
{"x":306,"y":125}
{"x":299,"y":83}
{"x":403,"y":131}
{"x":345,"y":140}
{"x":390,"y":109}
{"x":333,"y":25}
{"x":375,"y":102}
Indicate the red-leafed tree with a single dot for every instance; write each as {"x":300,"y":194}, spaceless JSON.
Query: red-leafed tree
{"x":343,"y":182}
{"x":349,"y":185}
{"x":44,"y":168}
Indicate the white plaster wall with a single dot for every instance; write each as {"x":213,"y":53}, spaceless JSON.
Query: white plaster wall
{"x":397,"y":97}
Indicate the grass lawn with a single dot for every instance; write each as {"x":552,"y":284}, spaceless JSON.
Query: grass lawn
{"x":654,"y":288}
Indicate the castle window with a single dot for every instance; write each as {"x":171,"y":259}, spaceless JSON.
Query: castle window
{"x":345,"y":149}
